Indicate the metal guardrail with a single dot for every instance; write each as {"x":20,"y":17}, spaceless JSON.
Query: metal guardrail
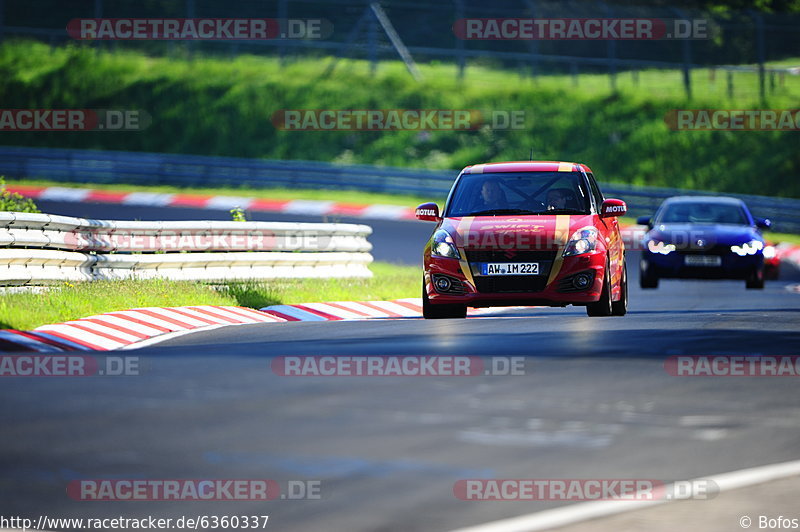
{"x":90,"y":166}
{"x":42,"y":248}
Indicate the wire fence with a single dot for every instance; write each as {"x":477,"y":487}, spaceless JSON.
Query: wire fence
{"x":733,"y":52}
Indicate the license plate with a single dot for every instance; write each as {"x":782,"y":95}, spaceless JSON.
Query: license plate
{"x":510,"y":268}
{"x":703,"y":260}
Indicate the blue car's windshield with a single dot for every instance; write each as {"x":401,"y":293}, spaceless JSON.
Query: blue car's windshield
{"x":522,"y":193}
{"x":702,"y":213}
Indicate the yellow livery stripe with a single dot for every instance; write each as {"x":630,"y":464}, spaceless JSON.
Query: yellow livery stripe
{"x":463,"y":231}
{"x":565,"y":167}
{"x":560,"y":236}
{"x":477,"y":169}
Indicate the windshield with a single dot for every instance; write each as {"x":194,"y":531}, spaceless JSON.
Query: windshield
{"x":523,"y":193}
{"x":703,"y":213}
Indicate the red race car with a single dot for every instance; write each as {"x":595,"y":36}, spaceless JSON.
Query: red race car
{"x":524,"y":233}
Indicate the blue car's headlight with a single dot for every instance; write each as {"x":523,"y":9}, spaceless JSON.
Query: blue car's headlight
{"x":654,"y":246}
{"x":443,"y":245}
{"x":582,"y":241}
{"x":748,"y":248}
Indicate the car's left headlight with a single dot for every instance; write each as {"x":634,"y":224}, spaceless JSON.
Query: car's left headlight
{"x":769,"y":252}
{"x":582,"y":241}
{"x":748,"y":248}
{"x":443,"y":245}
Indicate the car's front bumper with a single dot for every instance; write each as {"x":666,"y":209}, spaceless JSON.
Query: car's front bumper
{"x":553,"y":287}
{"x":674,"y":265}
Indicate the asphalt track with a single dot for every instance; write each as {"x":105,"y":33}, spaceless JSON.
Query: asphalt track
{"x":595,"y":402}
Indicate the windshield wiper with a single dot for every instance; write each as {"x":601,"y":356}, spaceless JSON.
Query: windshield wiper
{"x":495,"y":212}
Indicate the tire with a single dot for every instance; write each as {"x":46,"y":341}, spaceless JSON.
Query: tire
{"x":439,"y":312}
{"x":620,"y":308}
{"x":756,"y":280}
{"x":603,"y":305}
{"x":647,"y":280}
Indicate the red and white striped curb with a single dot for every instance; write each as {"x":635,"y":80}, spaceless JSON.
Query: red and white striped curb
{"x":225,"y":203}
{"x":116,"y":330}
{"x":788,"y":253}
{"x":127,"y":328}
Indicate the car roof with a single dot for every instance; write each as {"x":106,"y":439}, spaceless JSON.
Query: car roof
{"x":719,"y":200}
{"x":526,"y":166}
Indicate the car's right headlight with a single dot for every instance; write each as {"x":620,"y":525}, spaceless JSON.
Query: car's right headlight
{"x":442,"y":245}
{"x":582,"y":241}
{"x":654,"y":246}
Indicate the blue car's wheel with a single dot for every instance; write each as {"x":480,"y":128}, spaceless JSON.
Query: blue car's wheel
{"x":756,"y":280}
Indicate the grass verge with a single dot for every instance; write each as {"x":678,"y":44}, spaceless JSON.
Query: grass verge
{"x":69,"y":301}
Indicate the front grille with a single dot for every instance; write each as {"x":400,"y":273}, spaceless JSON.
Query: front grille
{"x":511,"y":283}
{"x":712,"y":250}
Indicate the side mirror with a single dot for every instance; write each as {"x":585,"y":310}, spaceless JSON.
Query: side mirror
{"x":643,"y":220}
{"x":613,"y":207}
{"x":763,"y":223}
{"x":428,"y":212}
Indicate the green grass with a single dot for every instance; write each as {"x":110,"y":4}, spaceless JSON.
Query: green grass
{"x":28,"y":310}
{"x":223,"y":106}
{"x":343,"y":196}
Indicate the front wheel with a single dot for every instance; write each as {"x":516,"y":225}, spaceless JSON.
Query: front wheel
{"x":603,"y":305}
{"x":438,"y":312}
{"x":646,"y":279}
{"x":620,"y":308}
{"x":755,"y":280}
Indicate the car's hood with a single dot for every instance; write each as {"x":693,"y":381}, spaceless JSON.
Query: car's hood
{"x":540,"y":231}
{"x":710,"y":234}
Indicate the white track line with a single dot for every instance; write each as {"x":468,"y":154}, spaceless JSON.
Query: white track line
{"x":576,"y":513}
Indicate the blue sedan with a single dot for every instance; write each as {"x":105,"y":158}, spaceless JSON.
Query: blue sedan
{"x":702,"y":237}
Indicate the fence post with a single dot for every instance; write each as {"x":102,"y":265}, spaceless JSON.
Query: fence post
{"x":686,"y":48}
{"x":460,"y":42}
{"x":760,"y":53}
{"x":372,"y":45}
{"x":189,"y":14}
{"x":612,"y":52}
{"x":730,"y":84}
{"x":283,"y":15}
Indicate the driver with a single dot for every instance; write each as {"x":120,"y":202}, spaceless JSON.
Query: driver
{"x":556,"y":199}
{"x":492,"y":195}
